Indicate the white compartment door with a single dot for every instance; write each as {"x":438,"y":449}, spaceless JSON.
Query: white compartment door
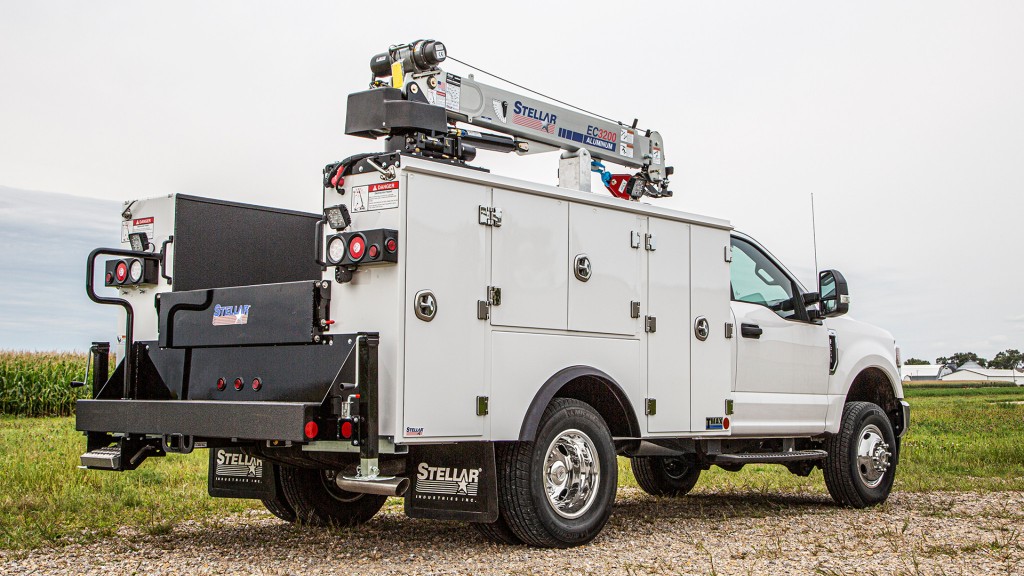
{"x":600,"y":243}
{"x":668,"y":347}
{"x":446,"y":251}
{"x":710,"y":365}
{"x":529,"y":252}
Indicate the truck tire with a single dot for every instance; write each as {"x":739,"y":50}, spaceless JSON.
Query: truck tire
{"x":557,"y":491}
{"x":861,"y":463}
{"x":277,"y":505}
{"x":665,"y":475}
{"x":317,"y":501}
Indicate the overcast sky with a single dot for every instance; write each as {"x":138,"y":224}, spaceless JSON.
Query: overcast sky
{"x":904,"y":119}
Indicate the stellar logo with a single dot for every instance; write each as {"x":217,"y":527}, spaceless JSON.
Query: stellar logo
{"x":238,"y":465}
{"x":230,"y":315}
{"x":449,"y":481}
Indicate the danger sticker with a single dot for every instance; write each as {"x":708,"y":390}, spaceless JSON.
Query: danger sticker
{"x":381,"y":196}
{"x":626,"y":149}
{"x":137,"y":225}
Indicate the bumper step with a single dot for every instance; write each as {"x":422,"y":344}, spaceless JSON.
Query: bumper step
{"x":108,"y":458}
{"x":768,"y":457}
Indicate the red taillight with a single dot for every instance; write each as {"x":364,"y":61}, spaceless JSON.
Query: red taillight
{"x":311,"y":429}
{"x":110,"y":278}
{"x":356,"y":248}
{"x":391,"y":245}
{"x":373,"y":251}
{"x":346,"y":429}
{"x":725,"y":423}
{"x":239,"y":383}
{"x":221,"y":384}
{"x":257,"y":384}
{"x":121,"y":272}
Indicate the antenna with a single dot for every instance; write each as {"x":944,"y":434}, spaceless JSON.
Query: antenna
{"x":814,"y":239}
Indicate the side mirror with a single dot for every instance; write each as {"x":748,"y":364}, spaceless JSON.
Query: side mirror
{"x":835,"y":294}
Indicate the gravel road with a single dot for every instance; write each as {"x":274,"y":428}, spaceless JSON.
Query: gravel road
{"x":705,"y":533}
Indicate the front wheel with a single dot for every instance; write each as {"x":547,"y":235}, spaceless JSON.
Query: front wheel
{"x":861,"y":463}
{"x":318,"y":501}
{"x":558,"y":491}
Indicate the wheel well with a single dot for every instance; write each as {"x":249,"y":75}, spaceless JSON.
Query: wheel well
{"x":599,"y":394}
{"x":872,"y":385}
{"x":587,"y":385}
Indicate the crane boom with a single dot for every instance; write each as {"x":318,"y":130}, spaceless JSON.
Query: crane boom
{"x":414,"y":107}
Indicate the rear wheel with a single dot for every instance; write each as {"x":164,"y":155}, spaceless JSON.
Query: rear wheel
{"x":318,"y":501}
{"x":558,"y":490}
{"x":861,"y":463}
{"x":665,"y":475}
{"x":278,"y":505}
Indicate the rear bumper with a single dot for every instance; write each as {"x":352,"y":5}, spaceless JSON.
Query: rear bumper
{"x":198,"y":418}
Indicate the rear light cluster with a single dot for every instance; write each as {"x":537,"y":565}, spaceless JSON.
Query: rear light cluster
{"x":131,"y":272}
{"x":362,"y":248}
{"x":331,"y":429}
{"x":239,"y":383}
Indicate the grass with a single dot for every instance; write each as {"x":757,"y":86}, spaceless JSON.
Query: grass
{"x":37,"y":384}
{"x":959,"y":439}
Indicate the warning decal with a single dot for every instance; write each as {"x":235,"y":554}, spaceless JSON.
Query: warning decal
{"x":137,"y":225}
{"x":374,"y":197}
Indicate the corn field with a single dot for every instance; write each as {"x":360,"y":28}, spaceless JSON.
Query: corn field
{"x":37,"y":383}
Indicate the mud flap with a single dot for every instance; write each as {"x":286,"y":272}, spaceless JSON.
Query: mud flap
{"x":234,"y":474}
{"x":453,"y":482}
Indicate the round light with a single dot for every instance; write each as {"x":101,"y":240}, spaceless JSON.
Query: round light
{"x":257,"y":384}
{"x":391,"y":245}
{"x":221,"y":384}
{"x":356,"y":248}
{"x":336,"y":249}
{"x":346,"y":429}
{"x":311,"y":429}
{"x":121,"y":272}
{"x":373,"y":251}
{"x":110,"y":278}
{"x":239,"y":383}
{"x":135,"y":271}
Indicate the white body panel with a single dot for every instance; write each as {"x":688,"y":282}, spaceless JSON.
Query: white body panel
{"x":432,"y":372}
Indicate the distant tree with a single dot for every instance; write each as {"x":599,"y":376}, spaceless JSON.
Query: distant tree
{"x":916,"y":362}
{"x":1009,"y":359}
{"x":961,"y":358}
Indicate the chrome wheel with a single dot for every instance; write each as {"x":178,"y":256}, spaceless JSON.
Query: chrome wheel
{"x":873,"y":456}
{"x":572,"y":473}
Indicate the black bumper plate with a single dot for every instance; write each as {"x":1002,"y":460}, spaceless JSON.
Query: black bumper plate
{"x":200,"y":418}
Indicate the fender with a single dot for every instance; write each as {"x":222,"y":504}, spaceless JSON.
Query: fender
{"x":555,"y":383}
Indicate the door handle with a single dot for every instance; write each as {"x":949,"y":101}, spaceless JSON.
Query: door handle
{"x":751,"y":330}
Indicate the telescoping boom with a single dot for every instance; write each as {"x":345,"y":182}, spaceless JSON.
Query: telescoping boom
{"x":416,"y":105}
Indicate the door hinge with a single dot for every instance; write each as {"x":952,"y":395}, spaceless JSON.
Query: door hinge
{"x":634,"y":239}
{"x":650,"y":324}
{"x":482,"y":407}
{"x":494,"y":296}
{"x":490,"y":216}
{"x":634,"y":309}
{"x":650,"y":243}
{"x":728,"y":329}
{"x":728,"y":253}
{"x":650,"y":406}
{"x":728,"y":408}
{"x":483,"y":310}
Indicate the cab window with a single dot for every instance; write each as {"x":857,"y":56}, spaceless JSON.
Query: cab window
{"x":757,"y":280}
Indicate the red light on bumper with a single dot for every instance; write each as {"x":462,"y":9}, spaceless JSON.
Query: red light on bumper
{"x":356,"y":248}
{"x":221,"y":384}
{"x":311,"y":430}
{"x":239,"y":383}
{"x":257,"y":384}
{"x":346,"y":429}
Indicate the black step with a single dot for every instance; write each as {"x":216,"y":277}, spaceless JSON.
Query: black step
{"x":108,"y":458}
{"x":768,"y":457}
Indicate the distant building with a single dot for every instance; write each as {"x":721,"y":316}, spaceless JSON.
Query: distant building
{"x":910,"y":372}
{"x":973,"y":372}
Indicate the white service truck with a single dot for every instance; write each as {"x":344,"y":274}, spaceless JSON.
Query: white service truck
{"x":482,"y":346}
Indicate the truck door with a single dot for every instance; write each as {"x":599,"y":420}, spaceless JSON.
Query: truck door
{"x":781,"y":356}
{"x":604,"y":269}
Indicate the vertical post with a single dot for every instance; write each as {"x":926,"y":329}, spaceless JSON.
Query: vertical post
{"x":367,"y":380}
{"x":100,"y":365}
